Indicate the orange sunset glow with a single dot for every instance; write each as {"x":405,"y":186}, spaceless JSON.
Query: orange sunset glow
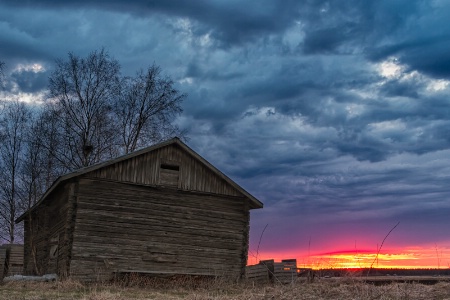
{"x":410,"y":258}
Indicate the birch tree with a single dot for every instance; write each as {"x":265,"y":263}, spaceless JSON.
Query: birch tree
{"x":146,"y":109}
{"x":13,"y":127}
{"x":36,"y":162}
{"x":84,"y":89}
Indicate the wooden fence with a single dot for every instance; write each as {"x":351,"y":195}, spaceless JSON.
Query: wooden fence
{"x":271,"y":271}
{"x":2,"y":262}
{"x":11,"y":260}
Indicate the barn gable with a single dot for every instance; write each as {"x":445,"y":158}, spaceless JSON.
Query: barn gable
{"x":168,"y":166}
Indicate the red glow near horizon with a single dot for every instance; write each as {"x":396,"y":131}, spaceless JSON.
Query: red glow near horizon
{"x":411,"y":258}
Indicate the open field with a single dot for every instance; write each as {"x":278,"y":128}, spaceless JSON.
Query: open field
{"x":216,"y":289}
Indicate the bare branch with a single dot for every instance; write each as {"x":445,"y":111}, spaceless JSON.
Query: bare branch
{"x":147,"y":107}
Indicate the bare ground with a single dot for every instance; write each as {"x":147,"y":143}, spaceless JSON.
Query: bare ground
{"x":216,"y":289}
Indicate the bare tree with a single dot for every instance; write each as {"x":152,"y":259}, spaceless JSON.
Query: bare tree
{"x":13,"y":127}
{"x":47,"y":132}
{"x":102,"y":115}
{"x":84,"y":89}
{"x":35,"y":161}
{"x":146,"y":109}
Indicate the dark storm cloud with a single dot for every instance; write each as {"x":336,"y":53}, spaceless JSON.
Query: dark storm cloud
{"x":195,"y":71}
{"x":421,"y":42}
{"x":433,"y":58}
{"x":24,"y":43}
{"x":394,"y":88}
{"x":323,"y":41}
{"x":429,"y":55}
{"x":379,"y":30}
{"x":232,"y":22}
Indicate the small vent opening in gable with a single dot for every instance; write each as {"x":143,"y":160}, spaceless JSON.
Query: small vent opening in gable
{"x":169,"y":174}
{"x":170,"y":167}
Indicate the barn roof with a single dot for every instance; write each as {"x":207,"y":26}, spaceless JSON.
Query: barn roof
{"x":254,"y":203}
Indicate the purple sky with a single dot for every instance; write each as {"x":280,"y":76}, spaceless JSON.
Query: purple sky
{"x":335,"y":114}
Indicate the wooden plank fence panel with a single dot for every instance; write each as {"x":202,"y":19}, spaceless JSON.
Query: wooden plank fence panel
{"x":11,"y":260}
{"x":281,"y":272}
{"x":258,"y":273}
{"x":15,"y":260}
{"x":2,"y":261}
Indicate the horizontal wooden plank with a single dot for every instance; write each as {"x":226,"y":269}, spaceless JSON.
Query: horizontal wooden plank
{"x":143,"y":194}
{"x":187,"y":231}
{"x":155,"y":213}
{"x":257,"y":270}
{"x":147,"y":218}
{"x":122,"y":246}
{"x":180,"y":263}
{"x":92,"y":249}
{"x":84,"y":265}
{"x":86,"y":180}
{"x":140,"y":271}
{"x":124,"y":239}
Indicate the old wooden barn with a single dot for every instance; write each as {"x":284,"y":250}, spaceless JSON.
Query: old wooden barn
{"x":160,"y":210}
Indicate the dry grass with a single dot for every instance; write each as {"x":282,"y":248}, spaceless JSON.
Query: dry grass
{"x":194,"y":289}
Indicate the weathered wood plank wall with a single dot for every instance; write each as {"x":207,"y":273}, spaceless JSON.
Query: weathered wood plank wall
{"x":123,"y":227}
{"x":45,"y":238}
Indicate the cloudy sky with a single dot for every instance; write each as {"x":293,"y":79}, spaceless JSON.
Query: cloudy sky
{"x":335,"y":114}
